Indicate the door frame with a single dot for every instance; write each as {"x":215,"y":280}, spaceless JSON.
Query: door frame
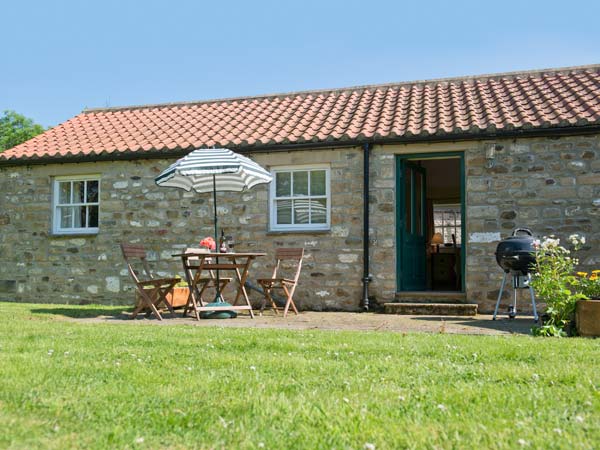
{"x":399,"y":211}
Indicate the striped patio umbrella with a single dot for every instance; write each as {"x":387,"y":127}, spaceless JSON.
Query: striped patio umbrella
{"x":212,"y":170}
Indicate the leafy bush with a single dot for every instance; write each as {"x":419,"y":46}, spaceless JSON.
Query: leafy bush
{"x":555,"y":281}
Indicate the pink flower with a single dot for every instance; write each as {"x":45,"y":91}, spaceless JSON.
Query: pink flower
{"x":208,"y":243}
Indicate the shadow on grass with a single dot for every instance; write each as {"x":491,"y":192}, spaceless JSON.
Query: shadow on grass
{"x":81,"y":312}
{"x":516,"y":326}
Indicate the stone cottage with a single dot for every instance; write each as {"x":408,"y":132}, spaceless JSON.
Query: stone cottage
{"x":395,"y":191}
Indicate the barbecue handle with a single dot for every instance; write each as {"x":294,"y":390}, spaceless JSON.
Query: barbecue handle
{"x":525,"y":230}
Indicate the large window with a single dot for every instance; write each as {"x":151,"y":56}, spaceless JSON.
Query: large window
{"x":300,"y":198}
{"x":76,"y":202}
{"x":447,"y":221}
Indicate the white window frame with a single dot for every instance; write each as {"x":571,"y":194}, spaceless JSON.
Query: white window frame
{"x":456,"y":226}
{"x":273,"y":225}
{"x":56,"y":228}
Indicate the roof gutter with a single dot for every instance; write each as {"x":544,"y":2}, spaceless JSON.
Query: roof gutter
{"x":178,"y":152}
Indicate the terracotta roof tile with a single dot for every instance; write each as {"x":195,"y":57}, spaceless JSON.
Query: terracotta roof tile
{"x":458,"y":107}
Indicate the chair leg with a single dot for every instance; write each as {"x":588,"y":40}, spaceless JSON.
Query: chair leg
{"x":162,"y":298}
{"x":289,"y":302}
{"x":267,"y":289}
{"x":151,"y":304}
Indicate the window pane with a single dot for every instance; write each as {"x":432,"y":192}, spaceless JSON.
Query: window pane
{"x":301,"y":211}
{"x":300,"y":183}
{"x":317,"y":182}
{"x":66,"y":217}
{"x":284,"y":212}
{"x":92,"y":191}
{"x":283,"y":185}
{"x":93,"y":216}
{"x":318,"y":211}
{"x":458,"y":236}
{"x":79,"y":216}
{"x":447,"y":221}
{"x":64,"y":192}
{"x":78,"y":191}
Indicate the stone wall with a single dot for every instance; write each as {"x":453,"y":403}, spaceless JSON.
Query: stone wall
{"x":37,"y":266}
{"x":549,"y":185}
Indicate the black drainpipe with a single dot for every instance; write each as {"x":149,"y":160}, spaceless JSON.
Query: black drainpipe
{"x":367,"y":277}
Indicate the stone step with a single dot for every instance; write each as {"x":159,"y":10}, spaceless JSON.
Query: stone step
{"x":431,"y":309}
{"x":430,"y":297}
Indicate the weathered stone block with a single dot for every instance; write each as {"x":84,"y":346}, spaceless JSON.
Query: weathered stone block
{"x":8,"y":286}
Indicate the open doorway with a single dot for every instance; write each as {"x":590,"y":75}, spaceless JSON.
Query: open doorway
{"x":430,"y":222}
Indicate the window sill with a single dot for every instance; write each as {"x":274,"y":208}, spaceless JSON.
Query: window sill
{"x":71,"y":234}
{"x":279,"y":232}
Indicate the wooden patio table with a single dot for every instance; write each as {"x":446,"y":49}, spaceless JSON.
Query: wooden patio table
{"x":195,"y":264}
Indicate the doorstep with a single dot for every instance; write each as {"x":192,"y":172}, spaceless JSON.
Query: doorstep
{"x":431,"y":309}
{"x":430,"y":297}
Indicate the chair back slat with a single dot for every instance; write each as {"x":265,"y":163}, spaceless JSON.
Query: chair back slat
{"x":133,"y":250}
{"x":289,"y":253}
{"x":288,"y":260}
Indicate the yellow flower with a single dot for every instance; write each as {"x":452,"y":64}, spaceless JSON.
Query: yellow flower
{"x":582,"y":274}
{"x":596,"y":271}
{"x":594,"y":277}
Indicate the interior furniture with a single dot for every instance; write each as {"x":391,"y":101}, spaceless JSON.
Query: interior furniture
{"x":443,"y":275}
{"x":288,"y":261}
{"x":153,"y":291}
{"x":199,"y":266}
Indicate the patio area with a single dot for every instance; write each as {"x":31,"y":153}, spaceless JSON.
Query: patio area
{"x":310,"y":320}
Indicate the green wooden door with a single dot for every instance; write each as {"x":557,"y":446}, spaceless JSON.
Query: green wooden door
{"x":411,"y":222}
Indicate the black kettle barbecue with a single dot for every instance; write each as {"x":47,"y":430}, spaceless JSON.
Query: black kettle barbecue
{"x":516,"y":255}
{"x":516,"y":252}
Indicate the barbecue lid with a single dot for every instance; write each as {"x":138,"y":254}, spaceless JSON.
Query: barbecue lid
{"x":517,"y":242}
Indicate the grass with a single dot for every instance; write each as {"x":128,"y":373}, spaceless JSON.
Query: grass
{"x":67,"y":384}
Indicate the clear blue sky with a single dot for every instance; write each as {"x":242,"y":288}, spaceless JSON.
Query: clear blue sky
{"x":59,"y":57}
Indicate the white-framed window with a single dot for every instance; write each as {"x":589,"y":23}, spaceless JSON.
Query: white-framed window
{"x":76,"y":202}
{"x":299,"y":198}
{"x":447,"y":221}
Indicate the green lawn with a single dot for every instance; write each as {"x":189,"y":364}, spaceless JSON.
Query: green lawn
{"x":138,"y":385}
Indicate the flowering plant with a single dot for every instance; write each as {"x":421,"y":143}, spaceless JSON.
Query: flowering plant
{"x":208,"y":243}
{"x":554,"y":280}
{"x":589,"y":285}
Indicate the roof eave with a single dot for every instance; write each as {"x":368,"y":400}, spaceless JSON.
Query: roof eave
{"x":445,"y":137}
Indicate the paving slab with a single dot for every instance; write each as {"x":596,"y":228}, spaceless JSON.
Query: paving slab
{"x":348,"y":321}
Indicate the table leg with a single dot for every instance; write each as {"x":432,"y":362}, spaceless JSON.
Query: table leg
{"x":242,"y":279}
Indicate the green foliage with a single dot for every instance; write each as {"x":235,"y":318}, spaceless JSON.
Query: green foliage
{"x":181,"y":282}
{"x":117,"y":384}
{"x":589,"y":284}
{"x":16,"y":129}
{"x":555,"y":282}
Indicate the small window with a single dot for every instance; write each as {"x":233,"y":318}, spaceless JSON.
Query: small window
{"x":447,"y":221}
{"x":76,"y":203}
{"x":300,"y":199}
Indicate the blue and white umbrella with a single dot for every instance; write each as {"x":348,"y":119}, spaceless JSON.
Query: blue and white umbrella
{"x":214,"y":169}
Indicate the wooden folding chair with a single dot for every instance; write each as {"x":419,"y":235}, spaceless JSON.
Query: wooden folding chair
{"x":153,"y":291}
{"x":286,"y":259}
{"x":201,"y":283}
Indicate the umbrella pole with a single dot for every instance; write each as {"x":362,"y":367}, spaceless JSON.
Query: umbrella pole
{"x":218,"y":286}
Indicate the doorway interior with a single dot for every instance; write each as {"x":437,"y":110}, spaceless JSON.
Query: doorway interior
{"x":430,"y":222}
